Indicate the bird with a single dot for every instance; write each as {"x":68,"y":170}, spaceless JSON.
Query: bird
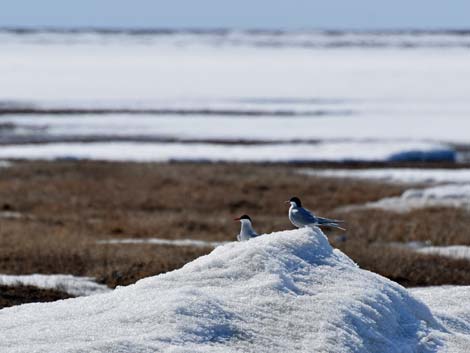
{"x":246,"y":232}
{"x":301,"y":217}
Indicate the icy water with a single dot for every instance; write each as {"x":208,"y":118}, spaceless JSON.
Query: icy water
{"x":234,"y":95}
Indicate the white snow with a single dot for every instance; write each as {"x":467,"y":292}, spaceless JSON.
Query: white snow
{"x":398,"y":127}
{"x":447,"y":195}
{"x":426,"y":247}
{"x":399,"y":83}
{"x":454,"y":251}
{"x":162,"y":241}
{"x":445,"y":187}
{"x":396,"y":175}
{"x":449,"y":305}
{"x":281,"y":292}
{"x":394,"y":95}
{"x":10,"y":215}
{"x":73,"y":285}
{"x":161,"y":152}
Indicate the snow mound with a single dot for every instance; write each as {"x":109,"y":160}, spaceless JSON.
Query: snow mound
{"x":281,"y":292}
{"x":73,"y":285}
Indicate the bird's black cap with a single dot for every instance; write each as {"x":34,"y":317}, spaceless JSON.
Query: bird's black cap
{"x":243,"y":217}
{"x":296,"y":200}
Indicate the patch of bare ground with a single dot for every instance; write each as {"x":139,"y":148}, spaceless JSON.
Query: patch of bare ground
{"x":68,"y":206}
{"x":16,"y":295}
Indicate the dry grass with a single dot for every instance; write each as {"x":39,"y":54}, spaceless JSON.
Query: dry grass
{"x":440,"y":225}
{"x":68,"y":206}
{"x":409,"y":268}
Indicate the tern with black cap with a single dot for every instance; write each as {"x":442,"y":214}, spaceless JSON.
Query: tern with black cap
{"x":301,"y":217}
{"x":246,"y":231}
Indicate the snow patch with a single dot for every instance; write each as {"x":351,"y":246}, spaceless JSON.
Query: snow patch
{"x":162,"y":152}
{"x":452,"y":189}
{"x":162,"y":241}
{"x":10,"y":215}
{"x":426,"y":247}
{"x":454,"y":251}
{"x":73,"y":285}
{"x":449,"y":195}
{"x":395,"y":175}
{"x":321,"y":124}
{"x":281,"y":292}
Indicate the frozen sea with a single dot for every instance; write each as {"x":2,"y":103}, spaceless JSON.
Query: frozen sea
{"x":234,"y":95}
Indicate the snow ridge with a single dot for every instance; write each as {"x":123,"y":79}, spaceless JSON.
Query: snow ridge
{"x":280,"y":292}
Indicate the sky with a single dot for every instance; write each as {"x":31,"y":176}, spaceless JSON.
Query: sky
{"x":269,"y":14}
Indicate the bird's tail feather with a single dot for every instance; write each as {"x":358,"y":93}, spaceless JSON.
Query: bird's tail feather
{"x":329,"y":220}
{"x":338,"y":227}
{"x":332,"y":225}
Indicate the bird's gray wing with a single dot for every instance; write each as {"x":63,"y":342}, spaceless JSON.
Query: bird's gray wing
{"x":307,"y":216}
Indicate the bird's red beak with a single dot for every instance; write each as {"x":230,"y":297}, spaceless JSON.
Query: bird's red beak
{"x":236,"y":219}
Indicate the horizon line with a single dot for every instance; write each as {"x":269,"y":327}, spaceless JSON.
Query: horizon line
{"x":22,"y":29}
